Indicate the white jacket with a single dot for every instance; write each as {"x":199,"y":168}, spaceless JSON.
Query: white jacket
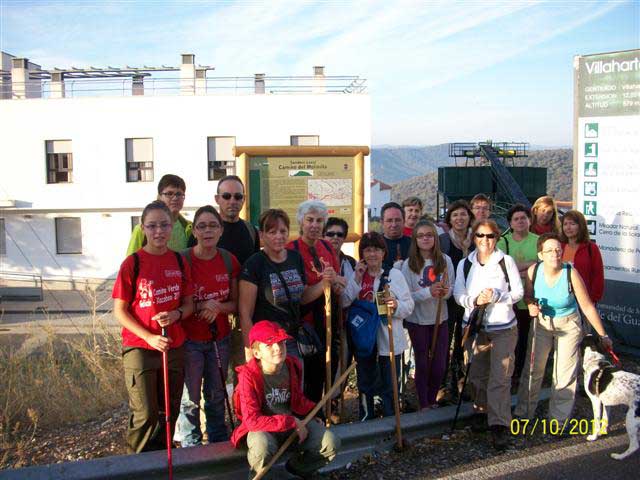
{"x":424,"y":312}
{"x":499,"y":314}
{"x":400,"y":291}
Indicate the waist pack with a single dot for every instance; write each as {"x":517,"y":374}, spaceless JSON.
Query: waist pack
{"x":362,"y":322}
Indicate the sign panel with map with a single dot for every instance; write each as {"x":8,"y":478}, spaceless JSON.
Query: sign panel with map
{"x":285,"y":182}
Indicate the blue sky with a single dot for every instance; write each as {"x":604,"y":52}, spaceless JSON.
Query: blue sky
{"x":436,"y":71}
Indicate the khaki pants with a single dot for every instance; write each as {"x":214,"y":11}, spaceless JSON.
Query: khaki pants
{"x":145,"y":385}
{"x":564,"y":335}
{"x":491,"y":369}
{"x":319,"y":448}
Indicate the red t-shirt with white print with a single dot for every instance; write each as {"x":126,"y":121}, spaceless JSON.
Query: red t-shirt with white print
{"x":210,"y":281}
{"x":160,"y":288}
{"x":366,"y":288}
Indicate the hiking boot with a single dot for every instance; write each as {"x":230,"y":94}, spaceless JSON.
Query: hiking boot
{"x":479,"y":423}
{"x":407,"y":406}
{"x":499,"y":437}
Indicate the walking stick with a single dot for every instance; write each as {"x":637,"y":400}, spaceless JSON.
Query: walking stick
{"x":436,"y":327}
{"x":167,"y":405}
{"x":532,"y":357}
{"x":327,"y":356}
{"x":224,"y":385}
{"x":343,"y":355}
{"x":327,"y":396}
{"x":394,"y":377}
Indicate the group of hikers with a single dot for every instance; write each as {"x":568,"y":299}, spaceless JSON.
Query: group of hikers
{"x":195,"y":298}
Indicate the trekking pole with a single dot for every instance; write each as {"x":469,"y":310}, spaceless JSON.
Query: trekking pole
{"x":436,"y":327}
{"x":464,"y":384}
{"x":327,"y":396}
{"x":532,"y":356}
{"x":327,"y":356}
{"x":167,"y":405}
{"x":343,"y":356}
{"x":224,"y":384}
{"x":394,"y":377}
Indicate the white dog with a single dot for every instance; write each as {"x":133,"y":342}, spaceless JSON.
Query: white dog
{"x":606,"y":385}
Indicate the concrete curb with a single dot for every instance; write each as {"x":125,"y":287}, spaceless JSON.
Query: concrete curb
{"x":225,"y":462}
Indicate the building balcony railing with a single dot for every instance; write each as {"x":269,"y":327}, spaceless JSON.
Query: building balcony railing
{"x":164,"y":86}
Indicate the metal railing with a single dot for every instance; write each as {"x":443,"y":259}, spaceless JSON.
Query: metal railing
{"x":123,"y":87}
{"x":20,"y":286}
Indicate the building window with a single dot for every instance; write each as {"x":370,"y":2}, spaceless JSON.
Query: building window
{"x":3,"y":238}
{"x":305,"y":140}
{"x":139,"y":154}
{"x":68,"y":235}
{"x":59,"y":161}
{"x":221,"y":161}
{"x":135,"y":220}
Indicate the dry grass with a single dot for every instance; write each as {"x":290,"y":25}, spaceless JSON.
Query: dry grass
{"x":63,"y":380}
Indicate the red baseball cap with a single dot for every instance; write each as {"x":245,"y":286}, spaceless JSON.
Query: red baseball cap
{"x":267,"y":332}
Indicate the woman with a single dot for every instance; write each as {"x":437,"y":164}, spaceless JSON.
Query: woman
{"x":429,"y":274}
{"x":273,"y":283}
{"x":318,"y":256}
{"x":582,"y":253}
{"x":152,"y":291}
{"x":489,"y":277}
{"x":363,"y":285}
{"x":214,"y":273}
{"x":554,"y":291}
{"x":544,"y":215}
{"x":457,"y":244}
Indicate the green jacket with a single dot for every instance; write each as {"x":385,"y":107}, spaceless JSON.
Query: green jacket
{"x":180,"y":235}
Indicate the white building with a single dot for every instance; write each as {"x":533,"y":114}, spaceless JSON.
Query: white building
{"x":80,"y":161}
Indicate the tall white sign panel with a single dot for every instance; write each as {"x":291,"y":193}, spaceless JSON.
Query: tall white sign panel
{"x":607,"y":178}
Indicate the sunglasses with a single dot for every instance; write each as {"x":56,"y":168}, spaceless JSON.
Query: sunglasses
{"x":334,"y":234}
{"x":489,"y":236}
{"x":236,"y":196}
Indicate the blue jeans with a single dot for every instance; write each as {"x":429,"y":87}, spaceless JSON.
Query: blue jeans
{"x":369,"y":369}
{"x":201,"y":373}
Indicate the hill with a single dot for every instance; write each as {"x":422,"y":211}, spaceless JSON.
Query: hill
{"x":559,"y":164}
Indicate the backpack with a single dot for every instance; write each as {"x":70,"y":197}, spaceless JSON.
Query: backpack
{"x":226,"y":258}
{"x":467,"y":267}
{"x":363,"y":321}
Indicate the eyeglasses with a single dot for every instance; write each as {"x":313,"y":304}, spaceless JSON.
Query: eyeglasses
{"x":334,"y":234}
{"x":553,"y":250}
{"x":425,"y":235}
{"x":177,"y":195}
{"x":157,"y":226}
{"x":203,"y":226}
{"x":490,"y":236}
{"x":236,"y":196}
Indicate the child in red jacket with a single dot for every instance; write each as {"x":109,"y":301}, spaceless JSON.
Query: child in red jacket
{"x":269,"y":403}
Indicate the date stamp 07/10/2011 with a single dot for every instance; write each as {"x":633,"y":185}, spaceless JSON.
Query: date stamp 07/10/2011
{"x":570,"y":426}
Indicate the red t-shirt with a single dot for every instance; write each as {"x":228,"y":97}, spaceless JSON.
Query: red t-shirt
{"x":210,"y":281}
{"x":160,"y":288}
{"x":407,"y":231}
{"x":326,"y":257}
{"x":539,"y":229}
{"x":366,"y":289}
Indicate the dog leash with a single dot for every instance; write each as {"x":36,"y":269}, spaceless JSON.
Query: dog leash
{"x":616,"y":359}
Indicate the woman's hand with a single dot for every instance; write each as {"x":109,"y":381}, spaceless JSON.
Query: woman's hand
{"x":485,"y":297}
{"x":159,"y":342}
{"x":165,"y":319}
{"x":438,"y":289}
{"x":329,"y":275}
{"x":534,"y":309}
{"x":361,"y":267}
{"x":392,"y":303}
{"x":302,"y":431}
{"x":208,"y":314}
{"x":606,"y":342}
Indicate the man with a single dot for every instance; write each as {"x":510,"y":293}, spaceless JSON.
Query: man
{"x":239,"y":236}
{"x":481,"y":207}
{"x":392,"y":217}
{"x":412,"y":212}
{"x":171,"y":191}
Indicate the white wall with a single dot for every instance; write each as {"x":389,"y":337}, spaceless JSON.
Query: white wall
{"x":179,"y":127}
{"x":378,"y":199}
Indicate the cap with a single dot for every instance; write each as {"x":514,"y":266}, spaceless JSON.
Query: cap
{"x":267,"y":332}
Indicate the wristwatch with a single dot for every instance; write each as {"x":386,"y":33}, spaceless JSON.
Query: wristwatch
{"x":179,"y":310}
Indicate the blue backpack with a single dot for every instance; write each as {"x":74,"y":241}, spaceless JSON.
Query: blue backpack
{"x":363,"y":321}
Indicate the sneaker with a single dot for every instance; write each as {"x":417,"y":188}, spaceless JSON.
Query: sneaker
{"x":479,"y":423}
{"x":499,"y":437}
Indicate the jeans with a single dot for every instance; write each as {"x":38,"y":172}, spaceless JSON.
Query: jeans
{"x":202,"y":374}
{"x":368,"y":369}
